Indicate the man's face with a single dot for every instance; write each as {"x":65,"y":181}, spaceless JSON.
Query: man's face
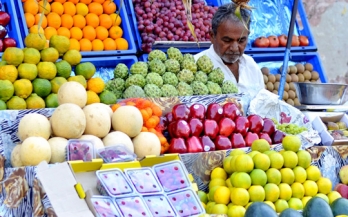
{"x":230,"y":40}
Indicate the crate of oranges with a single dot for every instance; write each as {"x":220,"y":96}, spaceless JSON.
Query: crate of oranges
{"x":92,"y":26}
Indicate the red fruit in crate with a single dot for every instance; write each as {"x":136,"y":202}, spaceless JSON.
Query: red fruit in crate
{"x":177,"y":145}
{"x":266,"y":137}
{"x":277,"y":137}
{"x":214,"y":112}
{"x":1,"y":45}
{"x":4,"y":18}
{"x":196,"y":126}
{"x":237,"y":140}
{"x":242,"y":125}
{"x":256,"y":123}
{"x":295,"y":42}
{"x":169,"y":117}
{"x":3,"y":32}
{"x":342,"y":189}
{"x":231,"y":110}
{"x":182,"y":129}
{"x":261,"y":42}
{"x":9,"y":42}
{"x":197,"y":110}
{"x":222,"y":143}
{"x":273,"y":41}
{"x":207,"y":143}
{"x":226,"y":126}
{"x":194,"y":145}
{"x":268,"y":126}
{"x":211,"y":128}
{"x":181,"y":112}
{"x":303,"y":40}
{"x":250,"y":137}
{"x":172,"y":129}
{"x":282,"y":40}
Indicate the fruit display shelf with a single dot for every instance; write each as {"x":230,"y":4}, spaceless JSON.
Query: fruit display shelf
{"x":125,"y":25}
{"x":13,"y":27}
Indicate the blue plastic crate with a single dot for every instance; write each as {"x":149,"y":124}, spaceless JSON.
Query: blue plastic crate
{"x":125,"y":25}
{"x":13,"y":28}
{"x":275,"y":60}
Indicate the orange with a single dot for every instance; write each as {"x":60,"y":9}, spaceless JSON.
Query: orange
{"x":97,"y":45}
{"x":67,"y":21}
{"x":35,"y":29}
{"x":64,"y":32}
{"x":109,"y":7}
{"x":44,"y":20}
{"x":82,"y":9}
{"x":29,"y":19}
{"x":74,"y":44}
{"x":86,"y":1}
{"x":69,"y":8}
{"x":116,"y":19}
{"x":45,"y":9}
{"x":76,"y":33}
{"x":105,"y":20}
{"x":99,"y":1}
{"x":31,"y":6}
{"x":95,"y":8}
{"x":92,"y":20}
{"x":53,"y":20}
{"x":49,"y":32}
{"x":96,"y":84}
{"x":79,"y":21}
{"x":121,"y":44}
{"x":85,"y":44}
{"x":74,"y":1}
{"x":89,"y":33}
{"x":115,"y":32}
{"x":102,"y":32}
{"x":57,"y":7}
{"x":109,"y":44}
{"x":60,"y":1}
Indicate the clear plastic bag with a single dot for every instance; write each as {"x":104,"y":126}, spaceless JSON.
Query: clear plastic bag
{"x":118,"y":153}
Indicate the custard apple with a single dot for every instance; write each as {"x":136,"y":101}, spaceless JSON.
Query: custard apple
{"x":133,"y":91}
{"x":136,"y":79}
{"x":157,"y":66}
{"x":152,"y":90}
{"x":174,"y":53}
{"x":229,"y":87}
{"x":157,"y":54}
{"x":117,"y":84}
{"x":205,"y":64}
{"x":214,"y":88}
{"x":201,"y":76}
{"x":169,"y":90}
{"x":216,"y":76}
{"x":190,"y":65}
{"x":172,"y":65}
{"x":170,"y":78}
{"x":199,"y":88}
{"x":189,"y":56}
{"x":121,"y":71}
{"x":154,"y":78}
{"x":184,"y":89}
{"x":139,"y":68}
{"x":186,"y":75}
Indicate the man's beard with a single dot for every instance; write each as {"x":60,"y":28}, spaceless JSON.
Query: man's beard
{"x":230,"y":57}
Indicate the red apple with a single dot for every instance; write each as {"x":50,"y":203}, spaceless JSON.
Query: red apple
{"x":261,"y":42}
{"x":207,"y":143}
{"x":181,"y":112}
{"x":303,"y":40}
{"x":277,"y":137}
{"x":273,"y":41}
{"x":295,"y":42}
{"x":249,"y":138}
{"x":282,"y":40}
{"x":194,"y":145}
{"x":169,"y":117}
{"x":342,"y":189}
{"x":256,"y":123}
{"x":226,"y":126}
{"x":237,"y":140}
{"x":4,"y":18}
{"x":3,"y":32}
{"x":268,"y":126}
{"x":214,"y":112}
{"x":1,"y":45}
{"x":197,"y":110}
{"x":9,"y":42}
{"x":177,"y":145}
{"x":196,"y":126}
{"x":266,"y":137}
{"x":211,"y":128}
{"x":182,"y":129}
{"x":172,"y":129}
{"x":231,"y":110}
{"x":222,"y":143}
{"x":242,"y":125}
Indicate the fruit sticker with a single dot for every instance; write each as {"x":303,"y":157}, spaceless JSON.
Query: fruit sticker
{"x":144,"y":180}
{"x":133,"y":207}
{"x":104,"y":207}
{"x":113,"y":183}
{"x":159,"y":205}
{"x":80,"y":150}
{"x":185,"y":203}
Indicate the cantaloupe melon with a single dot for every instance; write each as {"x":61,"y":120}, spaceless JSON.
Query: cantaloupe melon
{"x":68,"y":121}
{"x":16,"y":157}
{"x":98,"y":143}
{"x":72,"y":92}
{"x":98,"y":121}
{"x":35,"y":150}
{"x":107,"y":108}
{"x":127,"y":119}
{"x":34,"y":124}
{"x":58,"y":149}
{"x":118,"y":138}
{"x":146,"y":143}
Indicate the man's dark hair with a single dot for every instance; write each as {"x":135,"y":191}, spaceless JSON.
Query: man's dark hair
{"x":227,"y":11}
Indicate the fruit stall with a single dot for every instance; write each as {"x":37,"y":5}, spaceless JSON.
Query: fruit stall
{"x":104,"y":111}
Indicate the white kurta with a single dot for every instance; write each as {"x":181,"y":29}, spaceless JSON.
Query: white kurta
{"x":250,"y":75}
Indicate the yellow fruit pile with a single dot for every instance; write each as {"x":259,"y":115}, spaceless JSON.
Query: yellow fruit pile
{"x":90,"y":25}
{"x":31,"y":77}
{"x":281,"y":179}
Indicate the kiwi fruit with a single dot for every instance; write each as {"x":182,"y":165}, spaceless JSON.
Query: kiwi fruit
{"x":292,"y":86}
{"x":315,"y":75}
{"x":271,"y":78}
{"x":288,"y":78}
{"x":300,"y":67}
{"x":300,"y":78}
{"x":292,"y":94}
{"x":265,"y":70}
{"x":276,"y":85}
{"x":286,"y":87}
{"x":281,"y":69}
{"x":290,"y":102}
{"x":275,"y":92}
{"x":293,"y":69}
{"x":270,"y":86}
{"x":297,"y":102}
{"x":307,"y":75}
{"x":285,"y":95}
{"x":294,"y":78}
{"x":308,"y":66}
{"x":278,"y":76}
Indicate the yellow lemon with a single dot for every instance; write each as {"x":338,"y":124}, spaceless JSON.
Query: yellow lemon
{"x":288,"y":175}
{"x":46,"y":70}
{"x":277,"y":160}
{"x":202,"y":196}
{"x":295,"y":203}
{"x":27,"y":71}
{"x":49,"y":54}
{"x":333,"y":195}
{"x":313,"y":173}
{"x":261,"y":161}
{"x":217,"y":182}
{"x":56,"y":83}
{"x":290,"y":159}
{"x":324,"y":185}
{"x":273,"y":176}
{"x":240,"y":196}
{"x":219,"y":209}
{"x":260,"y":145}
{"x":13,"y":56}
{"x":300,"y":174}
{"x":246,"y":206}
{"x":8,"y":72}
{"x":281,"y":205}
{"x":236,"y":211}
{"x":236,"y":152}
{"x":211,"y":192}
{"x":35,"y":40}
{"x":244,"y":163}
{"x":257,"y":193}
{"x":291,"y":143}
{"x":23,"y":88}
{"x":285,"y":191}
{"x":241,"y":180}
{"x":209,"y":206}
{"x":232,"y":163}
{"x":16,"y":103}
{"x":305,"y":200}
{"x":218,"y":173}
{"x":227,"y":165}
{"x":222,"y":195}
{"x":311,"y":188}
{"x":80,"y":79}
{"x":73,"y":57}
{"x":62,"y":44}
{"x":323,"y":196}
{"x":269,"y":203}
{"x":92,"y":97}
{"x":298,"y":190}
{"x":253,"y":153}
{"x":31,"y":55}
{"x":35,"y":102}
{"x":258,"y":177}
{"x":304,"y":159}
{"x":272,"y":192}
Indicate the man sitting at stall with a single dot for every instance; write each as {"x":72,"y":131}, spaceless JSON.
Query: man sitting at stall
{"x":229,"y":37}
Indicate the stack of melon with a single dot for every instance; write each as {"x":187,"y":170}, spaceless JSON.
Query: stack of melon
{"x":46,"y":140}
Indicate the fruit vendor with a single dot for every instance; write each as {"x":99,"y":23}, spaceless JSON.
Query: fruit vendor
{"x":229,"y":37}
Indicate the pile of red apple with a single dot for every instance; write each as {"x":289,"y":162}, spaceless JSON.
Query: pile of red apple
{"x":5,"y":42}
{"x":280,"y":41}
{"x":196,"y":128}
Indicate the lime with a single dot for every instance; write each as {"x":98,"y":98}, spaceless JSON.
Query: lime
{"x":35,"y":40}
{"x":273,"y":176}
{"x":261,"y":161}
{"x":49,"y":54}
{"x":311,"y":188}
{"x":219,"y":209}
{"x":202,"y":196}
{"x":35,"y":102}
{"x":333,"y":195}
{"x":6,"y":90}
{"x":211,"y":192}
{"x":295,"y":203}
{"x":240,"y":196}
{"x":237,"y":151}
{"x":86,"y":69}
{"x":253,"y":153}
{"x":271,"y":192}
{"x":27,"y":71}
{"x":56,"y":83}
{"x":288,"y":175}
{"x":227,"y":165}
{"x":51,"y":101}
{"x":297,"y":190}
{"x":2,"y":105}
{"x":260,"y":145}
{"x":305,"y":200}
{"x":61,"y":43}
{"x":80,"y":79}
{"x":209,"y":206}
{"x":73,"y":57}
{"x":290,"y":159}
{"x":16,"y":103}
{"x":46,"y":70}
{"x":63,"y":69}
{"x":300,"y":174}
{"x":241,"y":180}
{"x":13,"y":56}
{"x":285,"y":191}
{"x":258,"y":177}
{"x":107,"y":97}
{"x":2,"y":63}
{"x":217,"y":182}
{"x":257,"y":193}
{"x":291,"y":143}
{"x":304,"y":159}
{"x":277,"y":160}
{"x":313,"y":173}
{"x":323,"y":196}
{"x":236,"y":211}
{"x":244,"y":163}
{"x":281,"y":205}
{"x":31,"y":55}
{"x":42,"y":87}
